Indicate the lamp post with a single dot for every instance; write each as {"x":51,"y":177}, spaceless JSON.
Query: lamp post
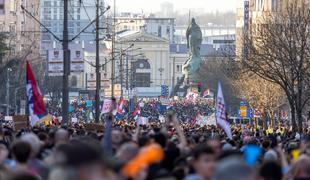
{"x":161,"y":70}
{"x":15,"y":99}
{"x":113,"y":53}
{"x":8,"y":91}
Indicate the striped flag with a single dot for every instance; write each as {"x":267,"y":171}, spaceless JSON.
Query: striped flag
{"x":221,"y":112}
{"x":121,"y":108}
{"x":36,"y":105}
{"x":196,"y":119}
{"x":136,"y":112}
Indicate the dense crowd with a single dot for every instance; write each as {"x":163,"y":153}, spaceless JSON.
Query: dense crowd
{"x":169,"y":150}
{"x":151,"y":108}
{"x":186,"y":110}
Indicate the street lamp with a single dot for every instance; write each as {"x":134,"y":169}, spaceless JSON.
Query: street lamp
{"x":15,"y":93}
{"x":8,"y":91}
{"x":161,"y":70}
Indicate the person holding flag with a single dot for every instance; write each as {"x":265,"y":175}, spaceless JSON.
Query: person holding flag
{"x":221,"y":119}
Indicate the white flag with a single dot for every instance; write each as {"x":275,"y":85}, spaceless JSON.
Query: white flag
{"x":221,"y":112}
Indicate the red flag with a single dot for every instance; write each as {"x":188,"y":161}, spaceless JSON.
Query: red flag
{"x":205,"y":93}
{"x":35,"y":98}
{"x":196,"y":118}
{"x":136,"y":111}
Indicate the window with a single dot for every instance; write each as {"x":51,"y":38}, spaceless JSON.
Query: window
{"x":159,"y":31}
{"x":2,"y":6}
{"x":179,"y":67}
{"x":168,"y":30}
{"x":47,"y":4}
{"x":47,"y":17}
{"x":46,"y":37}
{"x":12,"y":28}
{"x":73,"y":81}
{"x":274,"y":5}
{"x":142,"y":80}
{"x":47,"y":11}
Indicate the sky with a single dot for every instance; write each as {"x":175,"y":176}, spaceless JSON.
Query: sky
{"x":179,"y":5}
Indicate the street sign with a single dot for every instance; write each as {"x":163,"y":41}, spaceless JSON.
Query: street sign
{"x":243,"y":111}
{"x":164,"y":90}
{"x":89,"y":103}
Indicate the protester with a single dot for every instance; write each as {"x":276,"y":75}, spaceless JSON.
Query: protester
{"x":174,"y":148}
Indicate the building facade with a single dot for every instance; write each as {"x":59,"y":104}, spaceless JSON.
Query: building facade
{"x":80,"y":14}
{"x":251,"y":13}
{"x":160,"y":27}
{"x":23,"y":33}
{"x":210,"y":34}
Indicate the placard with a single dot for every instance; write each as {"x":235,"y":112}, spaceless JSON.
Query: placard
{"x":93,"y":127}
{"x":20,"y":122}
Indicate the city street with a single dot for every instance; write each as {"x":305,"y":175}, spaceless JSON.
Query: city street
{"x":154,"y":90}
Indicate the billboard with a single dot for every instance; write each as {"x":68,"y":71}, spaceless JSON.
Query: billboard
{"x":55,"y":61}
{"x":55,"y":55}
{"x":243,"y":111}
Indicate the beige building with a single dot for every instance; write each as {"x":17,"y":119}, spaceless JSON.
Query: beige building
{"x":250,"y":18}
{"x":23,"y":32}
{"x":143,"y":68}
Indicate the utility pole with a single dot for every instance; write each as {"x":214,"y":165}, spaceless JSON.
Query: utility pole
{"x":66,"y":53}
{"x":121,"y":72}
{"x":97,"y":98}
{"x":66,"y":66}
{"x":113,"y":53}
{"x":173,"y":75}
{"x":8,"y":91}
{"x":127,"y":74}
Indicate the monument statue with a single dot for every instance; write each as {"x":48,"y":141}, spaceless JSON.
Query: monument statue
{"x":194,"y":39}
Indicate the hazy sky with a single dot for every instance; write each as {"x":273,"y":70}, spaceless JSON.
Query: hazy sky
{"x":179,"y":5}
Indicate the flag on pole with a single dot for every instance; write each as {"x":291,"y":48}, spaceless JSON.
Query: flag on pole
{"x":36,"y":105}
{"x":205,"y":93}
{"x":121,"y":108}
{"x":196,"y":119}
{"x":221,"y":112}
{"x":136,"y":112}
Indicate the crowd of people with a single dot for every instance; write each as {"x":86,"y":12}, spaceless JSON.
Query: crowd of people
{"x":150,"y":108}
{"x":186,"y":110}
{"x":169,"y":150}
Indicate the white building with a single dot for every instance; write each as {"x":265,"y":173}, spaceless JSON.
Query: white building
{"x":210,"y":34}
{"x":160,"y":27}
{"x":150,"y":70}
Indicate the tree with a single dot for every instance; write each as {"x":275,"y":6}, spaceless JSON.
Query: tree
{"x":214,"y":70}
{"x":279,"y":52}
{"x":53,"y":87}
{"x":261,"y":94}
{"x":3,"y":46}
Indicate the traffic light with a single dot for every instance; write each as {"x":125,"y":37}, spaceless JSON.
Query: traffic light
{"x":164,"y":90}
